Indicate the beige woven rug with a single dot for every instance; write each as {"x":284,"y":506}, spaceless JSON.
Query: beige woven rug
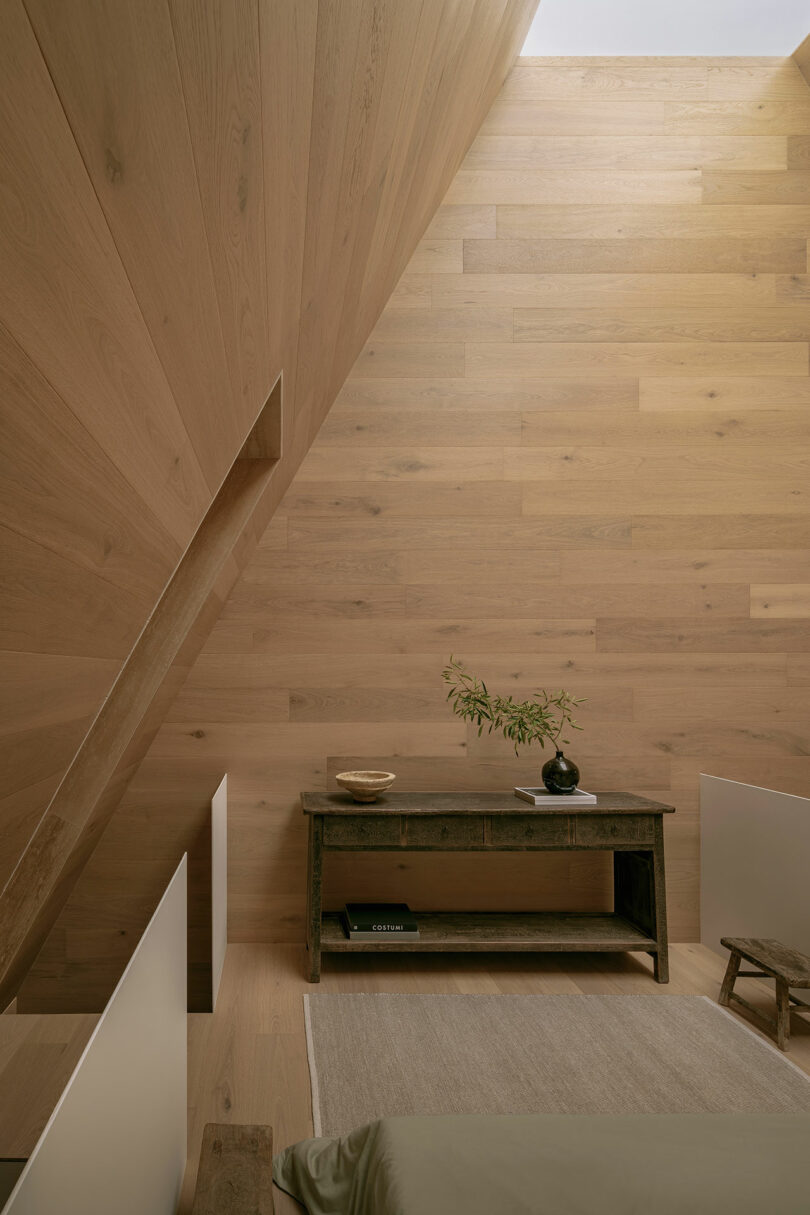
{"x":373,"y":1056}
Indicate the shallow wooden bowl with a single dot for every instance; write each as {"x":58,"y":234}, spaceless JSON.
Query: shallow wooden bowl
{"x":364,"y":786}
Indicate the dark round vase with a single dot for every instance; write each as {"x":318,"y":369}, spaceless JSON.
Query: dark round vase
{"x":560,"y":775}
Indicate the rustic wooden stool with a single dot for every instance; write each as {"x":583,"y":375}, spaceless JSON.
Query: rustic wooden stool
{"x":775,"y":961}
{"x":236,"y":1171}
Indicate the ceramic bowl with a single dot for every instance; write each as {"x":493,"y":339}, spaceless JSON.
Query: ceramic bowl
{"x":364,"y":786}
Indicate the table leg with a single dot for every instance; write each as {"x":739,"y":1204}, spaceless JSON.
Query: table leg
{"x":661,"y":959}
{"x":639,"y":896}
{"x":314,"y":899}
{"x":782,"y":1014}
{"x":728,"y":979}
{"x":661,"y":967}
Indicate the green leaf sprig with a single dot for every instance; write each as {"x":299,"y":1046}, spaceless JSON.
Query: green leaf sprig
{"x":522,"y":722}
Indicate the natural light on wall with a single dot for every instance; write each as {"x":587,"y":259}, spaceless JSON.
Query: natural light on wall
{"x":668,"y":27}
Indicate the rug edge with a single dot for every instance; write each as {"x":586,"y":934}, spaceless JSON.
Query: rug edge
{"x":314,"y":1087}
{"x":763,"y":1041}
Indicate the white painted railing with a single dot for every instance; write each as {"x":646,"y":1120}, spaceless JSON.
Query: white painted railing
{"x":754,"y":864}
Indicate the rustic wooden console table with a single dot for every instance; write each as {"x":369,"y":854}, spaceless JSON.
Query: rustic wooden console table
{"x":629,"y":826}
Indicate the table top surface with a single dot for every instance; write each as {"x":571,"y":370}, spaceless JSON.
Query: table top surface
{"x":473,"y":803}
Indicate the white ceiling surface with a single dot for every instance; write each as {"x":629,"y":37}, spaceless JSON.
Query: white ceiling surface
{"x":668,"y":27}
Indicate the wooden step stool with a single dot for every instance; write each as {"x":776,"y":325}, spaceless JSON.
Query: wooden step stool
{"x":775,"y":961}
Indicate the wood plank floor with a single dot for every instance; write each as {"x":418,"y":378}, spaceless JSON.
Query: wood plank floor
{"x":248,"y":1061}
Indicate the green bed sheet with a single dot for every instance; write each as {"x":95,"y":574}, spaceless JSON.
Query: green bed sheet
{"x":551,"y":1164}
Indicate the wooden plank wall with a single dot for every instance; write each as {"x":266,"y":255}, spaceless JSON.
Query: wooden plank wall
{"x":573,"y":452}
{"x":195,"y":198}
{"x":802,"y":58}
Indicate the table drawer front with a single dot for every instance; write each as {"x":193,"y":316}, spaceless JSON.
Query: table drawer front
{"x":530,"y":830}
{"x":445,"y":831}
{"x":368,"y":830}
{"x":594,"y":829}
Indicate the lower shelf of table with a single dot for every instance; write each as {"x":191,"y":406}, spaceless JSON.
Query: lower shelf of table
{"x":527,"y":932}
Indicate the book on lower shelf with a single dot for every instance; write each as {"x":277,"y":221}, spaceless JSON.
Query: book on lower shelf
{"x":542,"y":797}
{"x":379,"y":921}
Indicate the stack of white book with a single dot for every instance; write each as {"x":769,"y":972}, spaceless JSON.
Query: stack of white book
{"x":542,"y":797}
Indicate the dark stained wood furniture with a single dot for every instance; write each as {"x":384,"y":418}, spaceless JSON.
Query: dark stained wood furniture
{"x":629,"y":826}
{"x":787,"y":967}
{"x":235,"y":1176}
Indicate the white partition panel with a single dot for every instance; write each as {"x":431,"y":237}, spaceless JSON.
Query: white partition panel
{"x":754,"y":864}
{"x":116,"y":1142}
{"x":219,"y":885}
